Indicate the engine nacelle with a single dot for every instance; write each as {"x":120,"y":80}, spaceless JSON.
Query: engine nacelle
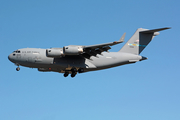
{"x":72,"y":50}
{"x":54,"y":52}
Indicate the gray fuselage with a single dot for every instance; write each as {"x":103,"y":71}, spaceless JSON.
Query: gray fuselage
{"x":37,"y":58}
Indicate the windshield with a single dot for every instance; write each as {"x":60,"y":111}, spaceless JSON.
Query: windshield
{"x":17,"y":51}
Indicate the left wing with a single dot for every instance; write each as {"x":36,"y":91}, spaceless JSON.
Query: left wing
{"x":85,"y":51}
{"x":93,"y":50}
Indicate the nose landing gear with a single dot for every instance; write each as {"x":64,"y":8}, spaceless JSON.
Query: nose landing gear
{"x":18,"y":68}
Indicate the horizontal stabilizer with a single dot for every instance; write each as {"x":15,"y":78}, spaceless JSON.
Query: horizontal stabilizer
{"x":154,"y":30}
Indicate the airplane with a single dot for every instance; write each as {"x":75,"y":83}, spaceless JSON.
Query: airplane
{"x":75,"y":59}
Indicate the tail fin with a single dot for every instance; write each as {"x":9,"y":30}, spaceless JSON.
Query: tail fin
{"x":140,"y":39}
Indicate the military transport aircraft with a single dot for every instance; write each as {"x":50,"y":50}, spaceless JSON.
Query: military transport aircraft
{"x":75,"y":59}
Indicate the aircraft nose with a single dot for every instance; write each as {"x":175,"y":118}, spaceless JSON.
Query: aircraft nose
{"x":10,"y":57}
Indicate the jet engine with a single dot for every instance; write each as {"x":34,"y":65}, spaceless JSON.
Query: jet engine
{"x":72,"y":50}
{"x":54,"y":52}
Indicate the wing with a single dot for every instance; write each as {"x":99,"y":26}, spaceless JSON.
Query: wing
{"x":93,"y":50}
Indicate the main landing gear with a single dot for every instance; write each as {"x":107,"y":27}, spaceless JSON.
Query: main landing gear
{"x":66,"y":74}
{"x":74,"y":71}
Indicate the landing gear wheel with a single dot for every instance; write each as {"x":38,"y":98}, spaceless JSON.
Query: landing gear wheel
{"x":17,"y":68}
{"x":73,"y":75}
{"x":66,"y":74}
{"x":74,"y":70}
{"x":80,"y":70}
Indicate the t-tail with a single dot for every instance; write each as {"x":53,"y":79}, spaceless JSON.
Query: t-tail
{"x":140,"y":39}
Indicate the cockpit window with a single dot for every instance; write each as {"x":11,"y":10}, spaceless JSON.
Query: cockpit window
{"x":17,"y":51}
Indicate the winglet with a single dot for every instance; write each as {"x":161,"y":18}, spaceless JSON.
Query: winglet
{"x":122,"y":38}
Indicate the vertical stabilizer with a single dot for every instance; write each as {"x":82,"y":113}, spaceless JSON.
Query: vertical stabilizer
{"x":140,"y":39}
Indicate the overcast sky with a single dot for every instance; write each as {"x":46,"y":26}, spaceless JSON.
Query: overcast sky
{"x":147,"y":90}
